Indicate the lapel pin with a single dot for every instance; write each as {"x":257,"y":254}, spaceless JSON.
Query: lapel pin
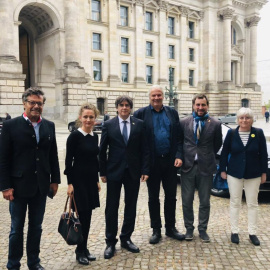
{"x":133,"y":123}
{"x":252,"y":135}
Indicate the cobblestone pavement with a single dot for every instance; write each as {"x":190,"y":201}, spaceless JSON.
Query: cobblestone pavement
{"x":169,"y":254}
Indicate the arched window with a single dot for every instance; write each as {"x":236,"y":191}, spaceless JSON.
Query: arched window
{"x":245,"y":102}
{"x":233,"y":35}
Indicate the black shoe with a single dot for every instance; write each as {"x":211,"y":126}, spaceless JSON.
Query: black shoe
{"x":156,"y":236}
{"x":81,"y":258}
{"x":173,"y":233}
{"x":204,"y":236}
{"x":36,"y":267}
{"x":130,"y":246}
{"x":254,"y":240}
{"x":189,"y":235}
{"x":109,"y":251}
{"x":89,"y":256}
{"x":235,"y":238}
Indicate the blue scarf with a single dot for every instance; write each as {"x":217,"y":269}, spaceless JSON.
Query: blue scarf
{"x":199,"y":125}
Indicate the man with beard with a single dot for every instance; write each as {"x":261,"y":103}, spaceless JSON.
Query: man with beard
{"x":29,"y":170}
{"x":202,"y":138}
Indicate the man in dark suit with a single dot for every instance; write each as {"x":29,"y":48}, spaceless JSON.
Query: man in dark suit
{"x":163,"y":135}
{"x":106,"y":116}
{"x":127,"y":162}
{"x":29,"y":169}
{"x":202,"y":139}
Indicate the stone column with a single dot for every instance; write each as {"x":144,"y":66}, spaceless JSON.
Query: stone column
{"x":252,"y":23}
{"x":163,"y":49}
{"x":139,"y":79}
{"x":183,"y":82}
{"x":227,"y":14}
{"x":72,"y":33}
{"x":114,"y":62}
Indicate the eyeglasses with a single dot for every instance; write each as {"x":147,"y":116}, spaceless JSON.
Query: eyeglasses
{"x":244,"y":118}
{"x":34,"y":103}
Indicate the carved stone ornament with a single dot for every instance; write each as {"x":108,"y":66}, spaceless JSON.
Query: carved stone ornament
{"x":184,"y":11}
{"x":163,"y":5}
{"x":252,"y":21}
{"x":226,"y":14}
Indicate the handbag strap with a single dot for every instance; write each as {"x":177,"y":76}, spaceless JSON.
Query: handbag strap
{"x":76,"y":211}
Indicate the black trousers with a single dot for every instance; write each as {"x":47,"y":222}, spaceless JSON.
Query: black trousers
{"x":85,"y":219}
{"x":112,"y":204}
{"x":165,"y":172}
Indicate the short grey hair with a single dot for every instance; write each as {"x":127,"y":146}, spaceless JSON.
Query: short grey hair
{"x":244,"y":111}
{"x":156,"y":86}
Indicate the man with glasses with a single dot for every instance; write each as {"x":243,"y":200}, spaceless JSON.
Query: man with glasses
{"x":29,"y":171}
{"x":126,"y":163}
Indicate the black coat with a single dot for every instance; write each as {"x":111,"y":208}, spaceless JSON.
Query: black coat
{"x":145,"y":114}
{"x":135,"y":154}
{"x":25,"y":165}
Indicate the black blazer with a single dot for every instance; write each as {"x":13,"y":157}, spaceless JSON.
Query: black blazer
{"x":135,"y":154}
{"x":176,"y":144}
{"x":25,"y":165}
{"x":248,"y":161}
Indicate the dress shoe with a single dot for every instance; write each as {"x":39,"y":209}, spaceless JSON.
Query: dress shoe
{"x":173,"y":233}
{"x":235,"y":238}
{"x":156,"y":236}
{"x":189,"y":235}
{"x":81,"y":258}
{"x":254,"y":240}
{"x":89,"y":256}
{"x":36,"y":267}
{"x":109,"y":251}
{"x":204,"y":236}
{"x":130,"y":246}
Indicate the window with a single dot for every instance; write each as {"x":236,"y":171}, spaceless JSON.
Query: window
{"x":124,"y":45}
{"x":96,"y":10}
{"x":171,"y":51}
{"x":96,"y":41}
{"x":100,"y":105}
{"x":191,"y":29}
{"x":149,"y":74}
{"x":245,"y":102}
{"x":233,"y":35}
{"x":123,"y":16}
{"x":191,"y":54}
{"x":149,"y":21}
{"x":124,"y":72}
{"x":171,"y":25}
{"x":171,"y":78}
{"x":191,"y":77}
{"x":149,"y":48}
{"x":97,"y":70}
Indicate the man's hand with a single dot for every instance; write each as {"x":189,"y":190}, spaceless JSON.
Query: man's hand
{"x":103,"y":179}
{"x":223,"y":175}
{"x":178,"y":162}
{"x":98,"y":186}
{"x":144,"y":178}
{"x":8,"y":194}
{"x":54,"y":188}
{"x":263,"y":178}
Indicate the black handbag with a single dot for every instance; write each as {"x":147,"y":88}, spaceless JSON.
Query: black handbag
{"x":69,"y":226}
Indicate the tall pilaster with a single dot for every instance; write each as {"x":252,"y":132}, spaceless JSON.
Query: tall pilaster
{"x":226,"y":15}
{"x":139,"y":79}
{"x":252,"y":24}
{"x":183,"y":82}
{"x":114,"y":63}
{"x":163,"y":69}
{"x":238,"y":73}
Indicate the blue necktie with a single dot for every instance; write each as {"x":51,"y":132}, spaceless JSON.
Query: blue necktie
{"x":124,"y":133}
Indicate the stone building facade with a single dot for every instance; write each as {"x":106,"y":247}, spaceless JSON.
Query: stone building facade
{"x":95,"y":50}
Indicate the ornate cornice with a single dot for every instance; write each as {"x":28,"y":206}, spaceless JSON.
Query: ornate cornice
{"x":225,"y":14}
{"x":252,"y":21}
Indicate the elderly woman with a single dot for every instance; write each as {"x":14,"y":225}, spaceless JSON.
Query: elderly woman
{"x":244,"y":164}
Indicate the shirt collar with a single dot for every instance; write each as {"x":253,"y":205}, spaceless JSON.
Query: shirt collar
{"x":122,"y":120}
{"x":85,"y":133}
{"x":152,"y":108}
{"x":33,"y":123}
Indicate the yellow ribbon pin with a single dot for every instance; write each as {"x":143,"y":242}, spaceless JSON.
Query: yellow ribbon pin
{"x":252,"y":135}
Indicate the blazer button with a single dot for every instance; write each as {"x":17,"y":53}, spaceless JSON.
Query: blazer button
{"x":35,"y":172}
{"x":37,"y":159}
{"x":37,"y":148}
{"x":33,"y":136}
